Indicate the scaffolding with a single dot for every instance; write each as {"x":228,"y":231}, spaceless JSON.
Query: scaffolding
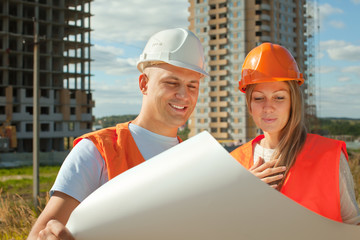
{"x":64,"y":70}
{"x":228,"y":30}
{"x":312,"y":72}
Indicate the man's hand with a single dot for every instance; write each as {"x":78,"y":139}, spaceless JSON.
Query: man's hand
{"x":266,"y":172}
{"x":51,"y":222}
{"x":55,"y":230}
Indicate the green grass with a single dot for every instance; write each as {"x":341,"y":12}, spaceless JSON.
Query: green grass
{"x":24,"y":184}
{"x":28,"y":170}
{"x":17,"y":213}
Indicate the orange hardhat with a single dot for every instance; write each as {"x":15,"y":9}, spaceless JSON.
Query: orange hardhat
{"x":269,"y":63}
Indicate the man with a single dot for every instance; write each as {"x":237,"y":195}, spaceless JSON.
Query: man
{"x":172,"y":65}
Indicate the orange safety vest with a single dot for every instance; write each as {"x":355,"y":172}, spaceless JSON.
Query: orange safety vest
{"x":313,"y":180}
{"x":117,"y":147}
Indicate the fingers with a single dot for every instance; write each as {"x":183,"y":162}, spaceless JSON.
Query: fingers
{"x":266,"y":165}
{"x":258,"y":163}
{"x":272,"y":178}
{"x":266,"y":168}
{"x":46,"y":234}
{"x":267,"y":172}
{"x":55,"y":230}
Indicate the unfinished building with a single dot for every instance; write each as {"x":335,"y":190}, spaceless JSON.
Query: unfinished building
{"x":65,"y":103}
{"x":228,"y":30}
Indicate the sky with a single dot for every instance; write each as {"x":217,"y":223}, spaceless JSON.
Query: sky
{"x":120,"y":32}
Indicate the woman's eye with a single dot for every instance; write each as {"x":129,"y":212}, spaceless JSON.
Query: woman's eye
{"x":258,"y":98}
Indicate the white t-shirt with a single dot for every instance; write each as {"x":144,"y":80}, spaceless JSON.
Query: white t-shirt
{"x":350,"y":212}
{"x":84,"y":170}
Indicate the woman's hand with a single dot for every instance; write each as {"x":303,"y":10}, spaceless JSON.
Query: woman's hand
{"x":266,"y":171}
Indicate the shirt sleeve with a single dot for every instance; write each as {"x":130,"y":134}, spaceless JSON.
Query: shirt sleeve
{"x":82,"y":172}
{"x":350,"y":212}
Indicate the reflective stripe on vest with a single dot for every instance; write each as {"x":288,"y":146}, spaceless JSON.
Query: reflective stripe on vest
{"x":313,"y":181}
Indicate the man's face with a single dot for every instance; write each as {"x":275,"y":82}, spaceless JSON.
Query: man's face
{"x":170,"y":94}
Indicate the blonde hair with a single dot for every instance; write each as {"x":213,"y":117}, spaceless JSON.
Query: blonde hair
{"x":147,"y":64}
{"x":292,"y":137}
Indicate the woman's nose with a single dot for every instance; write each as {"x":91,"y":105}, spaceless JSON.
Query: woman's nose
{"x":268,"y":106}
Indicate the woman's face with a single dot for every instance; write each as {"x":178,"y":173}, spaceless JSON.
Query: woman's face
{"x":270,"y":106}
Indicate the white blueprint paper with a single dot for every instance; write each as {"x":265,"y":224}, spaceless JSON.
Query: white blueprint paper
{"x":197,"y":190}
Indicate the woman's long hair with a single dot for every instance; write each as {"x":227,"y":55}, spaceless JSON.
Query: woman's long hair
{"x":292,"y":137}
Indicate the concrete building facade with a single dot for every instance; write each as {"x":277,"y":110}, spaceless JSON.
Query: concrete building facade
{"x":228,"y":30}
{"x":65,"y":104}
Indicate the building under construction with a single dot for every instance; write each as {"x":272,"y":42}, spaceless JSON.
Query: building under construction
{"x":65,"y":102}
{"x":228,"y":30}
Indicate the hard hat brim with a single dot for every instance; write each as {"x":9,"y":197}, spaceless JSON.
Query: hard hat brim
{"x":243,"y":87}
{"x":143,"y":64}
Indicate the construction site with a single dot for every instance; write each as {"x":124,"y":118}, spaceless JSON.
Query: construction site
{"x":65,"y":99}
{"x":228,"y":30}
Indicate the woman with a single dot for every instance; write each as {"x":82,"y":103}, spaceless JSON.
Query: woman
{"x":310,"y":169}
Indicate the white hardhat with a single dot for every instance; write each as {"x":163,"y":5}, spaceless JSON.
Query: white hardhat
{"x":178,"y":47}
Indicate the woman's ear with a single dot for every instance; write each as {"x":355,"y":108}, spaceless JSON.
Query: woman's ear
{"x":143,"y":83}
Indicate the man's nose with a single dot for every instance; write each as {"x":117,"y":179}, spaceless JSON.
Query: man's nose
{"x":182,"y":92}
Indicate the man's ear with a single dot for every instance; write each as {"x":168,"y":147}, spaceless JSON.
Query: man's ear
{"x":143,"y":83}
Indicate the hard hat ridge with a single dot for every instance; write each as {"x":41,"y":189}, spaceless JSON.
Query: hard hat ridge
{"x":178,"y":47}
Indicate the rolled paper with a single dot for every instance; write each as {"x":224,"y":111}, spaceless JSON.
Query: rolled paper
{"x":197,"y":190}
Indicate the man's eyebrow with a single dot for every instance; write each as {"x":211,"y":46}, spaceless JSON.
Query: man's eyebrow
{"x":194,"y":81}
{"x":178,"y":79}
{"x":173,"y":77}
